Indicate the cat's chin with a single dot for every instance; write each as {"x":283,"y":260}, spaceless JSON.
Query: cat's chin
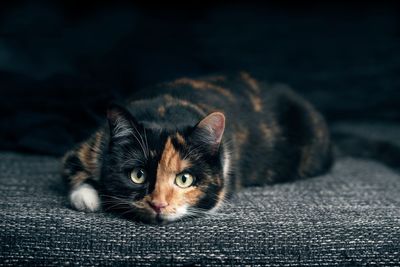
{"x":165,"y":218}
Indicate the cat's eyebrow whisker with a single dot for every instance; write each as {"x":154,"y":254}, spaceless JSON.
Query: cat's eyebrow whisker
{"x":192,"y":151}
{"x":147,"y":144}
{"x":141,"y":143}
{"x":130,"y":157}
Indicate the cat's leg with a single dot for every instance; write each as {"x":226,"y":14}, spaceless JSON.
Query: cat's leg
{"x":316,"y":154}
{"x":308,"y":132}
{"x":81,"y":169}
{"x":85,"y":198}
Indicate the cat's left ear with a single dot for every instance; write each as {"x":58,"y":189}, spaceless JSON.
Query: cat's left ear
{"x":210,"y":130}
{"x":121,"y":122}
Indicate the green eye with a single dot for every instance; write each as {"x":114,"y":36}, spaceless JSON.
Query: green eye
{"x":184,"y":180}
{"x":138,"y":175}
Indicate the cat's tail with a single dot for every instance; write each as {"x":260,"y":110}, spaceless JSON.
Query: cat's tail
{"x":348,"y":144}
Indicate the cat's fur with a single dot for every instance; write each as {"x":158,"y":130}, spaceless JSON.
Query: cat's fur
{"x":271,"y":135}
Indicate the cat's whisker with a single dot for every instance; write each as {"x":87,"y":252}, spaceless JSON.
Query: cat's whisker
{"x":115,"y":202}
{"x":147,"y":144}
{"x":203,"y":212}
{"x":128,"y":211}
{"x":141,"y":143}
{"x":114,"y":198}
{"x":114,"y":206}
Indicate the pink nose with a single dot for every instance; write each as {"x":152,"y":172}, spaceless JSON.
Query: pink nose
{"x":157,"y":206}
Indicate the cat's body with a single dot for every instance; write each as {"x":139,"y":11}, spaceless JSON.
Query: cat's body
{"x":165,"y":138}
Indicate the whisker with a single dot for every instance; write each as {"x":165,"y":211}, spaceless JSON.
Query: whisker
{"x":147,"y":144}
{"x":114,"y":196}
{"x":140,"y":143}
{"x":126,"y":212}
{"x":114,"y":206}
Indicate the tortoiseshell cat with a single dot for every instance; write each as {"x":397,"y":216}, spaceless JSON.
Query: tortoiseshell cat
{"x":181,"y":148}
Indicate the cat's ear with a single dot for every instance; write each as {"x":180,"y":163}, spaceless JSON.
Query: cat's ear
{"x":120,"y":121}
{"x":210,"y":129}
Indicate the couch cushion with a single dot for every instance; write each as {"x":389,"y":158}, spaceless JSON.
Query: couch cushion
{"x":350,"y":216}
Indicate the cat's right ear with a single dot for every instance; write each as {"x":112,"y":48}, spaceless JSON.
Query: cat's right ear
{"x":210,"y":130}
{"x":120,"y":121}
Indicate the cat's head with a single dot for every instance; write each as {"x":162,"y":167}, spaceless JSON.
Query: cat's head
{"x":160,"y":175}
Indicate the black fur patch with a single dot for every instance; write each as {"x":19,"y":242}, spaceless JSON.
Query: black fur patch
{"x":273,"y":137}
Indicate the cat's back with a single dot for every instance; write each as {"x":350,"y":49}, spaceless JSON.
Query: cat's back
{"x":238,"y":95}
{"x":275,"y":134}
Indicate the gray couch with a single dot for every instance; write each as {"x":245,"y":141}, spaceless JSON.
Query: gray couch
{"x":348,"y":217}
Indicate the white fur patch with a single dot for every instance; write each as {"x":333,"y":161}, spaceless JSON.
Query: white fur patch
{"x":122,"y":128}
{"x":85,"y":198}
{"x":226,"y":164}
{"x":226,"y":171}
{"x":180,"y":212}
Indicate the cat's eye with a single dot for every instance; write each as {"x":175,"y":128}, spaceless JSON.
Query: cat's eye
{"x":184,"y":180}
{"x":138,"y":175}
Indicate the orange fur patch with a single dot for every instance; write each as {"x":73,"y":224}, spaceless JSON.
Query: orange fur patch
{"x":78,"y":178}
{"x":241,"y":135}
{"x":161,"y":111}
{"x":270,"y":132}
{"x":171,"y":101}
{"x":192,"y":195}
{"x":89,"y":154}
{"x":220,"y":78}
{"x":256,"y":102}
{"x":169,"y":166}
{"x":203,"y":85}
{"x":180,"y":139}
{"x":171,"y":161}
{"x":251,"y":82}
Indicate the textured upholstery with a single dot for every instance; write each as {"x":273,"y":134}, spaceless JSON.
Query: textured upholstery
{"x":348,"y":217}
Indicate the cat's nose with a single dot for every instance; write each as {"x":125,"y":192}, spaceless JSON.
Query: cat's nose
{"x":158,"y":206}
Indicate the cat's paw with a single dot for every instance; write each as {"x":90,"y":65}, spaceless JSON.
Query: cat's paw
{"x":85,"y":198}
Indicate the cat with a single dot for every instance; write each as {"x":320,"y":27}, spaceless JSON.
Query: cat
{"x":181,"y":148}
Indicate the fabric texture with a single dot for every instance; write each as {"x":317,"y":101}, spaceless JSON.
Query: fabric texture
{"x":348,"y":217}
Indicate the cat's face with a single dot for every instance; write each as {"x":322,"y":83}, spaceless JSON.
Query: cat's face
{"x":159,"y":176}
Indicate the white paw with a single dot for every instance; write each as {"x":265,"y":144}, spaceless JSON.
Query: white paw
{"x":85,"y":198}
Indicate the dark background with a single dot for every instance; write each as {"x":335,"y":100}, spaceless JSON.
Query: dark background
{"x":61,"y":64}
